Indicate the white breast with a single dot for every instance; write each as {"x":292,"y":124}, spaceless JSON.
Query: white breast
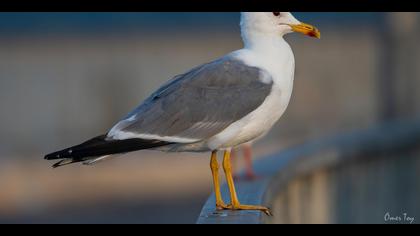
{"x":280,"y":65}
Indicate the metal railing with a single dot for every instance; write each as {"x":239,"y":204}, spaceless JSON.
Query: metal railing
{"x":369,"y":176}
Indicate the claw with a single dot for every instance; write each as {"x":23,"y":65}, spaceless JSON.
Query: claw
{"x":266,"y":210}
{"x":221,"y":206}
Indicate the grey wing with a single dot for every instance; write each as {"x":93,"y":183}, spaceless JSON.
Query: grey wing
{"x":198,"y":104}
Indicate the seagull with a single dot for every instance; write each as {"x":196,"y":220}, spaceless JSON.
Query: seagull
{"x":213,"y":107}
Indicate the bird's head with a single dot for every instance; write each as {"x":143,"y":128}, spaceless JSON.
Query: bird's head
{"x":274,"y":23}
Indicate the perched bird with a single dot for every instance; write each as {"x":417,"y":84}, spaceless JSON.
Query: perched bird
{"x":215,"y":106}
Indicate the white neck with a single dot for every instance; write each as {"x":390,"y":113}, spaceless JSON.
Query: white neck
{"x":258,"y":41}
{"x":268,"y":44}
{"x":270,"y":52}
{"x":270,"y":47}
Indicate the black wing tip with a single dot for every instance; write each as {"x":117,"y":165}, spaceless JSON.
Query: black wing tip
{"x":98,"y":146}
{"x":67,"y":152}
{"x":58,"y":164}
{"x":47,"y":157}
{"x":52,"y":156}
{"x":64,"y":162}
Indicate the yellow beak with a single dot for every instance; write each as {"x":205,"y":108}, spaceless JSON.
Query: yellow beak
{"x":306,"y":29}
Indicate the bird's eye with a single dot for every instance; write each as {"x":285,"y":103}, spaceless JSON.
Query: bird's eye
{"x":276,"y":13}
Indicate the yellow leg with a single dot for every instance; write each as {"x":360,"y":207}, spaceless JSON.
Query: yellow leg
{"x":235,"y":204}
{"x":214,"y":166}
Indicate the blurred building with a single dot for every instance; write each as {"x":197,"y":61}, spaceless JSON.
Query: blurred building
{"x":65,"y":77}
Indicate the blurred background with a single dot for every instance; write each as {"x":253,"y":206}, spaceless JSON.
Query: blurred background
{"x":66,"y":77}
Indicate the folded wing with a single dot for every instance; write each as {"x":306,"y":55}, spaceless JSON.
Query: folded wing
{"x":198,"y":104}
